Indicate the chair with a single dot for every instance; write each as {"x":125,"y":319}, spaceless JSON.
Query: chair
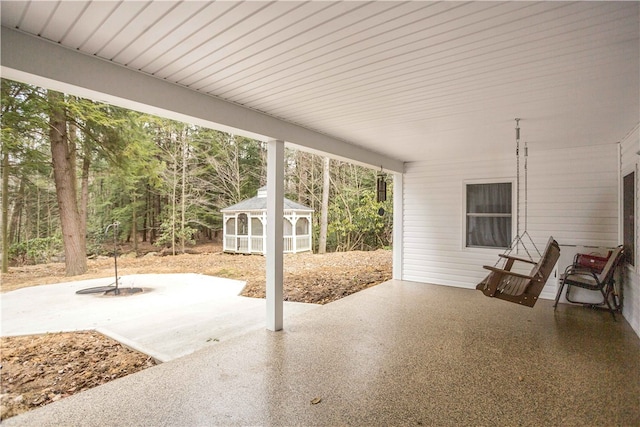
{"x":521,"y":288}
{"x":586,"y":278}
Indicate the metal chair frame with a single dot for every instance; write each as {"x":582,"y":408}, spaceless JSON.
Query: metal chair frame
{"x":589,"y":279}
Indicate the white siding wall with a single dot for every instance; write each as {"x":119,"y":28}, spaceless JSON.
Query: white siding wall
{"x":629,"y":148}
{"x":572,"y":195}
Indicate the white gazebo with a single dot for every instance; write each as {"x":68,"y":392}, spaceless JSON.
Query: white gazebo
{"x":245,"y":226}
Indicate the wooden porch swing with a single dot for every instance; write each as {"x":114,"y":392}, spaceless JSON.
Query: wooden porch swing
{"x":509,"y":285}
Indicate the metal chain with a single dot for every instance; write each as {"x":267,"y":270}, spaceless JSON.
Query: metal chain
{"x":517,"y":182}
{"x":518,"y":239}
{"x":526,"y":199}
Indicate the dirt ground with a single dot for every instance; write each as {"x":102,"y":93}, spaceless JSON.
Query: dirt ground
{"x":37,"y":370}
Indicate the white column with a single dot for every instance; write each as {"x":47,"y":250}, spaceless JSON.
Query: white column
{"x":274,"y":243}
{"x":398,"y":228}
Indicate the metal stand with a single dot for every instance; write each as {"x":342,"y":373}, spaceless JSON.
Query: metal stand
{"x":111,"y":289}
{"x":115,"y":226}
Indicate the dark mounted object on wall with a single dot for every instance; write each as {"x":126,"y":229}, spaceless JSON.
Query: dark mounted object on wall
{"x":381,"y":188}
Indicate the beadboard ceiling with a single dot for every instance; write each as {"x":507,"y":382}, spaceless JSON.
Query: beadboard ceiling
{"x":409,"y":80}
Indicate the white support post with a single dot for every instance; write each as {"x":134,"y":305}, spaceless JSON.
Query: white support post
{"x":398,"y":228}
{"x":274,"y":243}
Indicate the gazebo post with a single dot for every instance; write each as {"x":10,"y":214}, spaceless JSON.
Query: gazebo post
{"x":274,"y":243}
{"x":263,"y":218}
{"x":249,"y":248}
{"x":294,"y":233}
{"x":224,"y":232}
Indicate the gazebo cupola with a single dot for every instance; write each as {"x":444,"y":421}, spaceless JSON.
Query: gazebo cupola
{"x":245,"y":226}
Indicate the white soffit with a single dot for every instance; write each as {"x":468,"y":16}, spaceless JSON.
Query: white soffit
{"x":408,"y":80}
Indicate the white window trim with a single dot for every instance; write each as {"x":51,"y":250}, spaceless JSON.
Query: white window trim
{"x":514,"y":212}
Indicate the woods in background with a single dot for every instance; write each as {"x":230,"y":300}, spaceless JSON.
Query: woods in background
{"x":72,"y":166}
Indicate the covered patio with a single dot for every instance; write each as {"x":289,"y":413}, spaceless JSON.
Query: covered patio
{"x":425,"y":91}
{"x":401,"y":353}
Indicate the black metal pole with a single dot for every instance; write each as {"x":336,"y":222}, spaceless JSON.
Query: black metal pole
{"x":115,"y":253}
{"x":115,"y":250}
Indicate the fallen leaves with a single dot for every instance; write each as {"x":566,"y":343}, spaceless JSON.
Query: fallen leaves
{"x":320,"y":279}
{"x":40,"y":369}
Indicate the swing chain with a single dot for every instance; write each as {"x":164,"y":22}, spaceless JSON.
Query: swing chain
{"x":519,"y":238}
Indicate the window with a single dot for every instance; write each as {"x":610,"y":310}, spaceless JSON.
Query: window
{"x":489,"y":218}
{"x":628,"y":212}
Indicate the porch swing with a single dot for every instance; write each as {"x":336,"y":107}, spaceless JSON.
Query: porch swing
{"x":509,"y":285}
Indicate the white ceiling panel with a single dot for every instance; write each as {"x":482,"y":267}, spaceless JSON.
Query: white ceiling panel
{"x":12,"y":13}
{"x":235,"y":23}
{"x":58,"y":22}
{"x":176,"y":34}
{"x":255,"y":28}
{"x":154,"y":32}
{"x":35,"y":15}
{"x":404,"y":79}
{"x":259,"y":43}
{"x":309,"y":41}
{"x":102,"y":22}
{"x":128,"y":21}
{"x":79,"y":29}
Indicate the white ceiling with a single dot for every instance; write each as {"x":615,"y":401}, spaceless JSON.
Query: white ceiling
{"x":409,"y":80}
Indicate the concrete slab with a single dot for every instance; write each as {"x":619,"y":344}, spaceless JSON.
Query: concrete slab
{"x":176,"y":314}
{"x":396,"y":354}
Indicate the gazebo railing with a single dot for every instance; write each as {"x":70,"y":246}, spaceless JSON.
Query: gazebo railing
{"x":230,"y":243}
{"x":303,"y":243}
{"x":257,"y":244}
{"x":240,"y":244}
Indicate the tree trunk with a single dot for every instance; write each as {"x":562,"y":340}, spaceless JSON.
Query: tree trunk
{"x":15,"y":232}
{"x":5,"y":209}
{"x":63,"y":159}
{"x":183,"y":197}
{"x":147,"y":210}
{"x":324,"y":213}
{"x":134,"y":224}
{"x":174,"y":191}
{"x":84,"y":186}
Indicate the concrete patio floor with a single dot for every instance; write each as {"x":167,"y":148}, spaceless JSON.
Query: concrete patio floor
{"x":400,"y":353}
{"x":174,"y":316}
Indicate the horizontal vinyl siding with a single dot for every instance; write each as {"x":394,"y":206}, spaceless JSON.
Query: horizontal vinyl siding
{"x":572,"y":195}
{"x":433,"y":221}
{"x":629,"y":148}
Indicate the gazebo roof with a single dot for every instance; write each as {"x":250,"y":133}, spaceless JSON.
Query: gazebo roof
{"x":259,"y":203}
